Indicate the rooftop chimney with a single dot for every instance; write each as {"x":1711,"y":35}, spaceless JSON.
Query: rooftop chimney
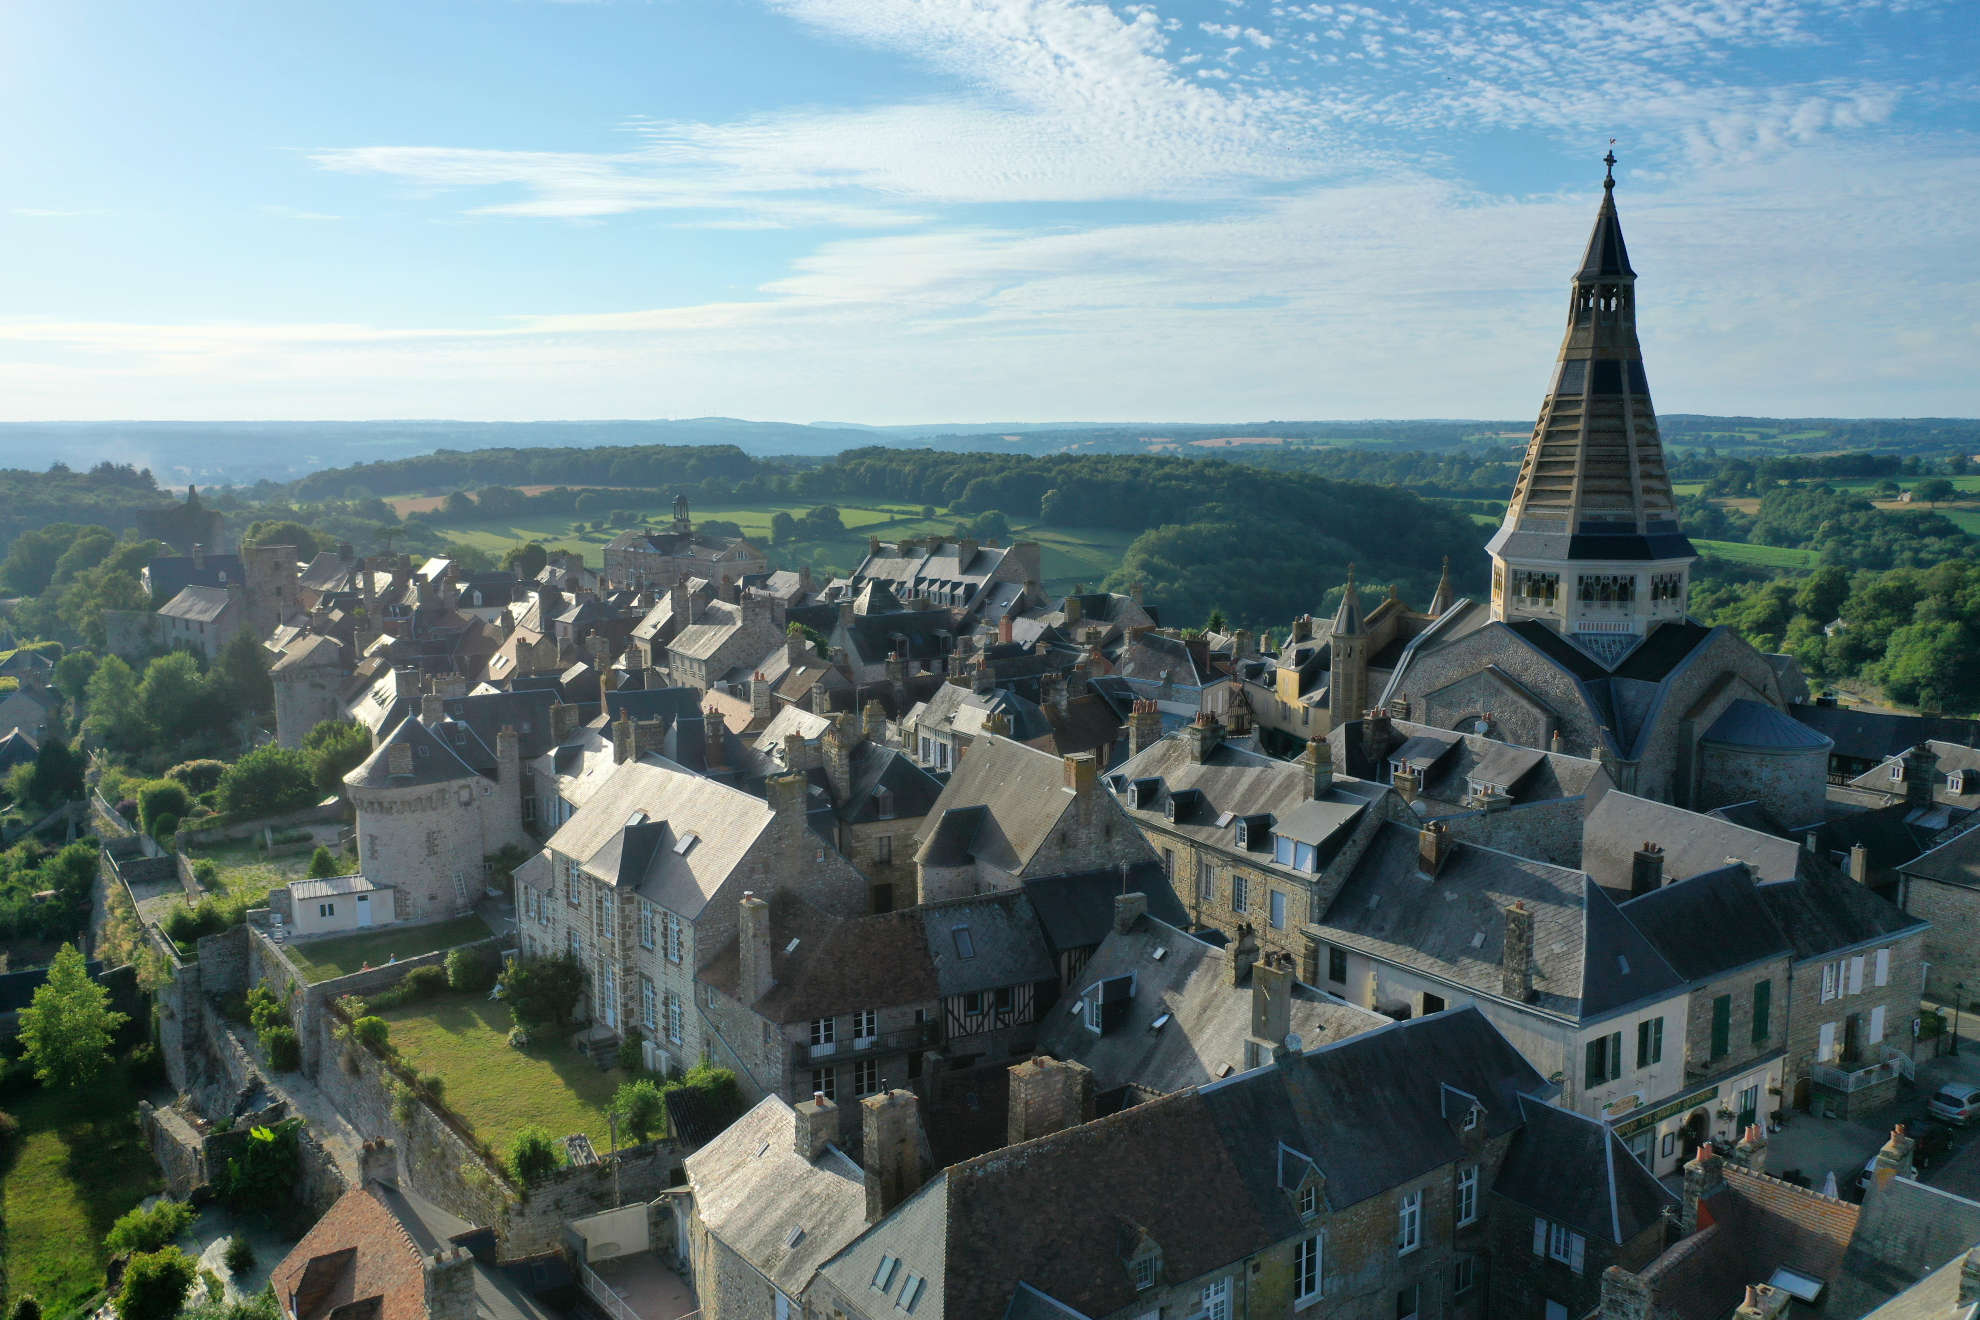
{"x":1859,"y":863}
{"x":1204,"y":734}
{"x":1376,"y":735}
{"x":1703,"y":1177}
{"x":1516,"y":961}
{"x":1128,"y":909}
{"x":817,"y":1126}
{"x":786,"y":796}
{"x":890,"y":1146}
{"x":1082,"y":772}
{"x":1242,"y":954}
{"x":873,"y":723}
{"x":1319,"y":762}
{"x":1409,"y":784}
{"x":449,"y":1276}
{"x":1433,"y":845}
{"x":1048,"y":1095}
{"x":1271,"y":1002}
{"x":432,"y":709}
{"x":1921,"y":775}
{"x":753,"y":948}
{"x":622,"y":737}
{"x":761,"y":697}
{"x":1893,"y":1161}
{"x":1646,"y":870}
{"x":1144,"y":726}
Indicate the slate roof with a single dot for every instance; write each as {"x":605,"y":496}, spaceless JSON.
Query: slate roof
{"x":1017,"y":794}
{"x":1157,"y":658}
{"x":955,"y":708}
{"x":307,"y":650}
{"x":1587,"y":960}
{"x":1904,"y":1230}
{"x":1577,"y":1172}
{"x":839,"y":964}
{"x":716,"y":624}
{"x":1710,"y":924}
{"x":1952,"y":757}
{"x":434,"y":761}
{"x":1823,"y":911}
{"x":753,"y":1191}
{"x":911,"y":790}
{"x":1693,"y":843}
{"x":1003,"y":945}
{"x":1934,"y":1297}
{"x":1876,"y":735}
{"x":1206,"y":1021}
{"x":1076,"y":911}
{"x":167,"y":575}
{"x":1954,"y":862}
{"x":198,"y":604}
{"x":1752,"y":724}
{"x":17,"y":748}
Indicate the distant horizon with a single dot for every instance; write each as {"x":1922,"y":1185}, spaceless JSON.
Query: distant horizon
{"x":898,"y":209}
{"x":959,"y":426}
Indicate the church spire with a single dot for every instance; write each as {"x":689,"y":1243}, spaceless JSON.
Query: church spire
{"x":1590,"y":542}
{"x":1446,"y":596}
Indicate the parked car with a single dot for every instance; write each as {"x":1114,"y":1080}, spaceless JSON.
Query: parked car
{"x":1956,"y":1102}
{"x":1933,"y":1141}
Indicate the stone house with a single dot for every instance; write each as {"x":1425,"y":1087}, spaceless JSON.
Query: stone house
{"x":433,"y":800}
{"x":648,"y":559}
{"x":994,"y":974}
{"x":1156,"y":1010}
{"x":1012,"y":813}
{"x":200,"y":619}
{"x":873,"y":629}
{"x":309,"y":677}
{"x":1250,"y":843}
{"x":723,"y":637}
{"x":1423,"y":923}
{"x":643,"y":885}
{"x":806,"y":1003}
{"x":1180,"y":675}
{"x":1942,"y":888}
{"x":1720,"y":937}
{"x":1376,"y":1174}
{"x":967,"y":578}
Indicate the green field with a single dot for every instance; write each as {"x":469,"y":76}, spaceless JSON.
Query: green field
{"x":81,"y":1162}
{"x":1766,"y":556}
{"x":1071,"y":555}
{"x":463,"y":1039}
{"x":340,"y":955}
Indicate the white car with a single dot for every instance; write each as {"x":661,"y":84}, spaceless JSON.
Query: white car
{"x":1956,"y":1102}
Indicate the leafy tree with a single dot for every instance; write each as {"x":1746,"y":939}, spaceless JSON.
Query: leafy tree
{"x":201,"y":776}
{"x":240,"y":677}
{"x":542,"y":992}
{"x":72,"y":674}
{"x":533,"y":1156}
{"x":267,"y":781}
{"x":55,"y":777}
{"x":30,"y":563}
{"x":783,"y":528}
{"x":281,"y":531}
{"x":469,"y":970}
{"x":116,"y":718}
{"x":641,"y":1109}
{"x":322,"y":863}
{"x":149,"y":1229}
{"x":820,"y":523}
{"x":1821,"y":597}
{"x":240,"y":1255}
{"x":1215,"y":623}
{"x":261,"y":1176}
{"x":719,"y":527}
{"x":1934,"y":490}
{"x":527,"y":559}
{"x":25,"y":1308}
{"x":176,"y":698}
{"x":155,"y":1285}
{"x":335,"y":748}
{"x":160,"y":798}
{"x":459,"y":505}
{"x":499,"y":501}
{"x":90,"y":547}
{"x":68,"y":1028}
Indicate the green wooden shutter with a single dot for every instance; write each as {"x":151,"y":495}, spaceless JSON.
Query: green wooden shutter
{"x":1722,"y":1013}
{"x":1763,"y":1003}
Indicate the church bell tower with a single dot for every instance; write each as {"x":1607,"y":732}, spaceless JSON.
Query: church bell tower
{"x":1590,"y":546}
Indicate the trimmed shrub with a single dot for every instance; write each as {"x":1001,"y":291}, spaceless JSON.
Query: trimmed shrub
{"x":283,"y":1048}
{"x":155,"y":1285}
{"x":373,"y":1032}
{"x":630,"y":1054}
{"x":198,"y":776}
{"x":25,"y":1309}
{"x":533,"y":1156}
{"x":240,"y":1255}
{"x":435,"y":1084}
{"x":470,"y":970}
{"x":143,"y":1230}
{"x":163,"y":826}
{"x":322,"y":863}
{"x":159,"y":798}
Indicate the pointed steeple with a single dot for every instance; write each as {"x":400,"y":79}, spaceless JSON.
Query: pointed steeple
{"x":1347,"y":619}
{"x":1590,"y":542}
{"x":1446,"y":596}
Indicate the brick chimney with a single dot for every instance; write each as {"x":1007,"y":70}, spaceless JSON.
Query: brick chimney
{"x":1763,"y":1302}
{"x":1409,"y":784}
{"x":1319,"y":762}
{"x":890,"y":1144}
{"x":1271,"y":1002}
{"x":837,"y":744}
{"x":563,"y":720}
{"x":1433,"y":845}
{"x":1144,"y":725}
{"x":786,"y":796}
{"x":1242,"y":955}
{"x":1646,"y":870}
{"x":753,"y":976}
{"x":1081,"y":774}
{"x":1048,"y":1095}
{"x":1516,"y":961}
{"x":817,"y":1126}
{"x":1703,"y":1176}
{"x":449,"y":1278}
{"x":1128,"y":909}
{"x":1377,"y":735}
{"x":1751,"y":1152}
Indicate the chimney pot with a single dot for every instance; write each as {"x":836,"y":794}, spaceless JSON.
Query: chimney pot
{"x":1646,"y":870}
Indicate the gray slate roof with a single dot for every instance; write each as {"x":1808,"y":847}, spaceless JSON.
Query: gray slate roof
{"x":1710,"y":924}
{"x":1754,"y":724}
{"x":1692,"y":843}
{"x":1017,"y":794}
{"x":986,"y":942}
{"x":1575,"y":1171}
{"x":1824,"y":911}
{"x":198,"y":604}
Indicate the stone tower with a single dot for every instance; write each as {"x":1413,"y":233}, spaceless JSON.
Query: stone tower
{"x":682,"y":523}
{"x":1590,"y":545}
{"x":1347,"y":675}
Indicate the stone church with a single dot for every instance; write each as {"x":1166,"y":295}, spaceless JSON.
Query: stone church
{"x":1586,"y":645}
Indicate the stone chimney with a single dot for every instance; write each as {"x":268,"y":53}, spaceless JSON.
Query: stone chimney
{"x":647,"y":736}
{"x":754,"y":979}
{"x":399,"y":759}
{"x":873,"y":723}
{"x":1646,"y":870}
{"x":762,"y":697}
{"x":1242,"y":955}
{"x":1433,"y":845}
{"x":1625,"y":1295}
{"x":1377,"y":736}
{"x":1077,"y":679}
{"x":1075,"y":608}
{"x":622,"y":738}
{"x":378,"y":1162}
{"x":837,"y":744}
{"x":1204,"y":733}
{"x":1921,"y":775}
{"x":786,"y":796}
{"x":1516,"y":961}
{"x":1703,"y":1176}
{"x":1409,"y":784}
{"x":1893,"y":1161}
{"x":1969,"y":1278}
{"x":449,"y":1278}
{"x":1319,"y":762}
{"x":1144,"y":725}
{"x":1859,"y":863}
{"x":897,"y":667}
{"x":1081,"y":775}
{"x":1048,"y":1095}
{"x":432,"y":709}
{"x":817,"y":1126}
{"x":563,"y":720}
{"x":965,"y":553}
{"x":1128,"y":909}
{"x":1556,"y":743}
{"x":508,"y":758}
{"x":890,"y":1145}
{"x":1751,"y":1152}
{"x":821,"y":697}
{"x":1271,"y":1003}
{"x":1763,"y":1302}
{"x":981,"y":677}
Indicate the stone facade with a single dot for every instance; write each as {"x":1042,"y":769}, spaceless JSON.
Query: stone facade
{"x":1847,"y":1008}
{"x":725,"y":637}
{"x":427,"y":841}
{"x":1951,"y":956}
{"x":308,"y":690}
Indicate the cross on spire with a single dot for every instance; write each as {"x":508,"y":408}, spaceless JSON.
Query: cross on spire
{"x":1609,"y":181}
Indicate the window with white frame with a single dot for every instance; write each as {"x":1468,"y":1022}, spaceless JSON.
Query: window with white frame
{"x":1828,"y":982}
{"x":577,"y":945}
{"x":1306,"y":1270}
{"x":1876,"y":1024}
{"x":1240,"y":892}
{"x":1464,"y":1275}
{"x":1278,"y":909}
{"x":824,"y":1031}
{"x":866,"y":1077}
{"x":1467,"y":1195}
{"x":675,"y":1013}
{"x":608,"y":915}
{"x":1217,"y":1300}
{"x":826,"y":1081}
{"x":1558,"y":1242}
{"x":1409,"y":1223}
{"x":1142,"y":1270}
{"x":1407,"y":1300}
{"x":1206,"y":885}
{"x":648,"y":922}
{"x":1856,"y":974}
{"x":649,"y":1003}
{"x":1309,"y":1201}
{"x":673,"y":938}
{"x":866,"y":1025}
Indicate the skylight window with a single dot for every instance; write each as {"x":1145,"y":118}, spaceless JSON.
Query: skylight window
{"x":685,"y":844}
{"x":795,"y":1236}
{"x":883,"y":1277}
{"x":965,"y":946}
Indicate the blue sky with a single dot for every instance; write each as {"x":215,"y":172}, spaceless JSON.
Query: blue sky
{"x":1022,"y":210}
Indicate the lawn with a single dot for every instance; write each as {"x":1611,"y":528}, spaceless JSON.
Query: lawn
{"x":1766,"y":556}
{"x":340,"y":955}
{"x":498,"y":1090}
{"x":81,"y":1163}
{"x":244,"y":869}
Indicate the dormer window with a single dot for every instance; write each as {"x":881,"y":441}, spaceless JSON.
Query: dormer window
{"x":1897,"y":772}
{"x":1956,"y":782}
{"x":1143,"y":1268}
{"x":1309,"y":1201}
{"x":883,"y":803}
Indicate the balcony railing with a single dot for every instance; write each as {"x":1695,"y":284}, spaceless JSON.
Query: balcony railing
{"x":1848,"y":1080}
{"x":920,"y":1036}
